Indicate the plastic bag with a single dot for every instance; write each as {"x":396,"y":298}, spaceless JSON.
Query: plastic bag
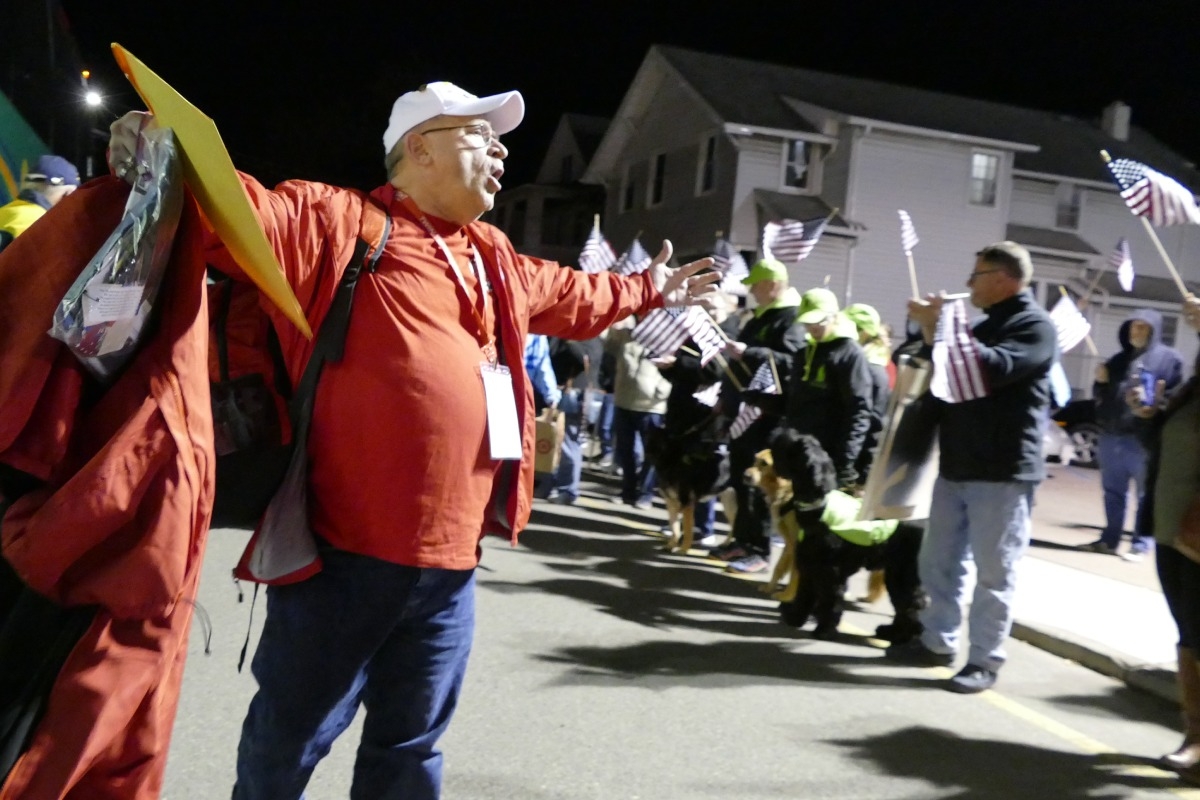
{"x":102,"y":316}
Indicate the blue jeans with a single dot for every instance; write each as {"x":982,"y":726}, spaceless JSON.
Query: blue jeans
{"x":362,"y":631}
{"x":637,"y":473}
{"x":706,"y":516}
{"x":990,"y":522}
{"x":1122,"y":459}
{"x":604,"y":425}
{"x":570,"y":463}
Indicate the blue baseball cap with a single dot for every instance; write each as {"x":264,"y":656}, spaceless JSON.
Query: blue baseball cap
{"x":54,"y":170}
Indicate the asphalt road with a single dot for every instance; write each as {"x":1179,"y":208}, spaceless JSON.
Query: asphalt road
{"x":605,"y":669}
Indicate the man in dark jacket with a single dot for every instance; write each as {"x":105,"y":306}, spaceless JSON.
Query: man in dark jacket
{"x":1122,"y":454}
{"x":771,"y":335}
{"x":991,"y":462}
{"x":831,"y":392}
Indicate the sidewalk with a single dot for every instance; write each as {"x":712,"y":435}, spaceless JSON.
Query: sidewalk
{"x":1098,"y":610}
{"x":1103,"y":612}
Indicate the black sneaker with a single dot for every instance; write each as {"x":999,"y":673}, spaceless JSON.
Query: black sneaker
{"x":915,"y":653}
{"x":972,"y":679}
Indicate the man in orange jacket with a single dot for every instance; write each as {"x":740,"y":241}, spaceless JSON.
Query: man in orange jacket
{"x":420,"y":442}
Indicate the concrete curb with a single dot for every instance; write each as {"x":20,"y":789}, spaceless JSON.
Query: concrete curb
{"x":1157,"y":679}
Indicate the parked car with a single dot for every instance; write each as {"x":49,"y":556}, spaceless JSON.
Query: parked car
{"x":1078,"y":419}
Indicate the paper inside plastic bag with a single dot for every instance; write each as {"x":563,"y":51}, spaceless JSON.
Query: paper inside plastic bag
{"x":104,"y":314}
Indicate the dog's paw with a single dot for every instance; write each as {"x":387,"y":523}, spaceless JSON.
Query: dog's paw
{"x":784,"y":595}
{"x":769,"y":588}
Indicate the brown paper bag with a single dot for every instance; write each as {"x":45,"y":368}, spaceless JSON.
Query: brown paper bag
{"x":547,"y":447}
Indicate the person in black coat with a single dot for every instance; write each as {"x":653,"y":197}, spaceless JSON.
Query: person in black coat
{"x":770,"y":336}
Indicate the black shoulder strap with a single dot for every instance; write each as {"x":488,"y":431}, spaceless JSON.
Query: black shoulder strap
{"x":331,"y":336}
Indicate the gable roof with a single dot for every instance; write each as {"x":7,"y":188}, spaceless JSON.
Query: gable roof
{"x":754,"y":92}
{"x":588,"y":131}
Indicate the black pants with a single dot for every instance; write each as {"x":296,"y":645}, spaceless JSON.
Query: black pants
{"x":752,"y":527}
{"x":1180,"y":579}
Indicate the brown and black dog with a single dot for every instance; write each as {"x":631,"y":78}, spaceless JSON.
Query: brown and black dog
{"x":688,"y":471}
{"x":778,"y":491}
{"x":821,"y":560}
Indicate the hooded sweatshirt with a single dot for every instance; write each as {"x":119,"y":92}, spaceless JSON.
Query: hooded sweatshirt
{"x":830,"y":396}
{"x":1113,"y":415}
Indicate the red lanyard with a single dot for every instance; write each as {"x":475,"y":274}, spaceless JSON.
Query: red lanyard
{"x":487,"y":341}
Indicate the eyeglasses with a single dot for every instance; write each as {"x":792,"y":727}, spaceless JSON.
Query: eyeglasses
{"x":971,"y":278}
{"x":482,"y":130}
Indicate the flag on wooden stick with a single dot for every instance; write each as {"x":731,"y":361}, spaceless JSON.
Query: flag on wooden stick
{"x":1070,"y":324}
{"x":1150,"y":194}
{"x":597,"y":254}
{"x":908,"y":233}
{"x":635,"y":259}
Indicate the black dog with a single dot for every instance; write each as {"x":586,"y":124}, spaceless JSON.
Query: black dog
{"x":824,"y":561}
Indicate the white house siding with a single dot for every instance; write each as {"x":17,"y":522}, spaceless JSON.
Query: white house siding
{"x":929,"y":179}
{"x":759,"y":161}
{"x":1033,"y":203}
{"x":562,"y":144}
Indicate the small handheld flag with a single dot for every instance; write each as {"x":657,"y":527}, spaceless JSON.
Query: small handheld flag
{"x":597,"y":254}
{"x":1122,"y":261}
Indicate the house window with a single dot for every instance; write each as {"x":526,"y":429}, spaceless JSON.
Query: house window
{"x":567,"y":174}
{"x":797,"y":163}
{"x":1069,"y":201}
{"x":658,"y":171}
{"x":516,"y":230}
{"x":985,"y":167}
{"x":501,"y":217}
{"x":628,"y":190}
{"x":706,"y":168}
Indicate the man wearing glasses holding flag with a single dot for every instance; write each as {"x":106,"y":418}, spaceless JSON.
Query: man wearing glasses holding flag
{"x":991,"y":380}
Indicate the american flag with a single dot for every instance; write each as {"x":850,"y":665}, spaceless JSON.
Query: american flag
{"x":908,"y":233}
{"x":1122,"y":261}
{"x":784,"y":240}
{"x":597,"y":254}
{"x":728,"y":261}
{"x":1069,"y":323}
{"x":957,"y":366}
{"x":812,"y":232}
{"x":1150,"y":194}
{"x":635,"y":259}
{"x":664,"y":330}
{"x":763,"y":381}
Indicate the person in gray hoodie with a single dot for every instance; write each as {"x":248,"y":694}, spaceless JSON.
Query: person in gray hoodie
{"x":1145,"y":361}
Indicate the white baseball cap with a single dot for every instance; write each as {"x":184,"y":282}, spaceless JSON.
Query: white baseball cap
{"x":504,"y":111}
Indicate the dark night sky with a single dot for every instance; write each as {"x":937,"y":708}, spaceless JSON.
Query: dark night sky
{"x":303,"y":88}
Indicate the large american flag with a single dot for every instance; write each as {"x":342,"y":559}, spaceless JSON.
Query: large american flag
{"x":763,"y":381}
{"x":812,"y":232}
{"x":957,"y":365}
{"x":597,"y":254}
{"x":1150,"y":194}
{"x":784,"y":240}
{"x":1070,"y":324}
{"x":908,"y":233}
{"x":635,"y":259}
{"x":1122,"y":261}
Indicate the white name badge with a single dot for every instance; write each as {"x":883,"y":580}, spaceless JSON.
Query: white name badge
{"x":504,"y":435}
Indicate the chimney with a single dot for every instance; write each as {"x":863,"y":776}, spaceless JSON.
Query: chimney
{"x":1115,"y":120}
